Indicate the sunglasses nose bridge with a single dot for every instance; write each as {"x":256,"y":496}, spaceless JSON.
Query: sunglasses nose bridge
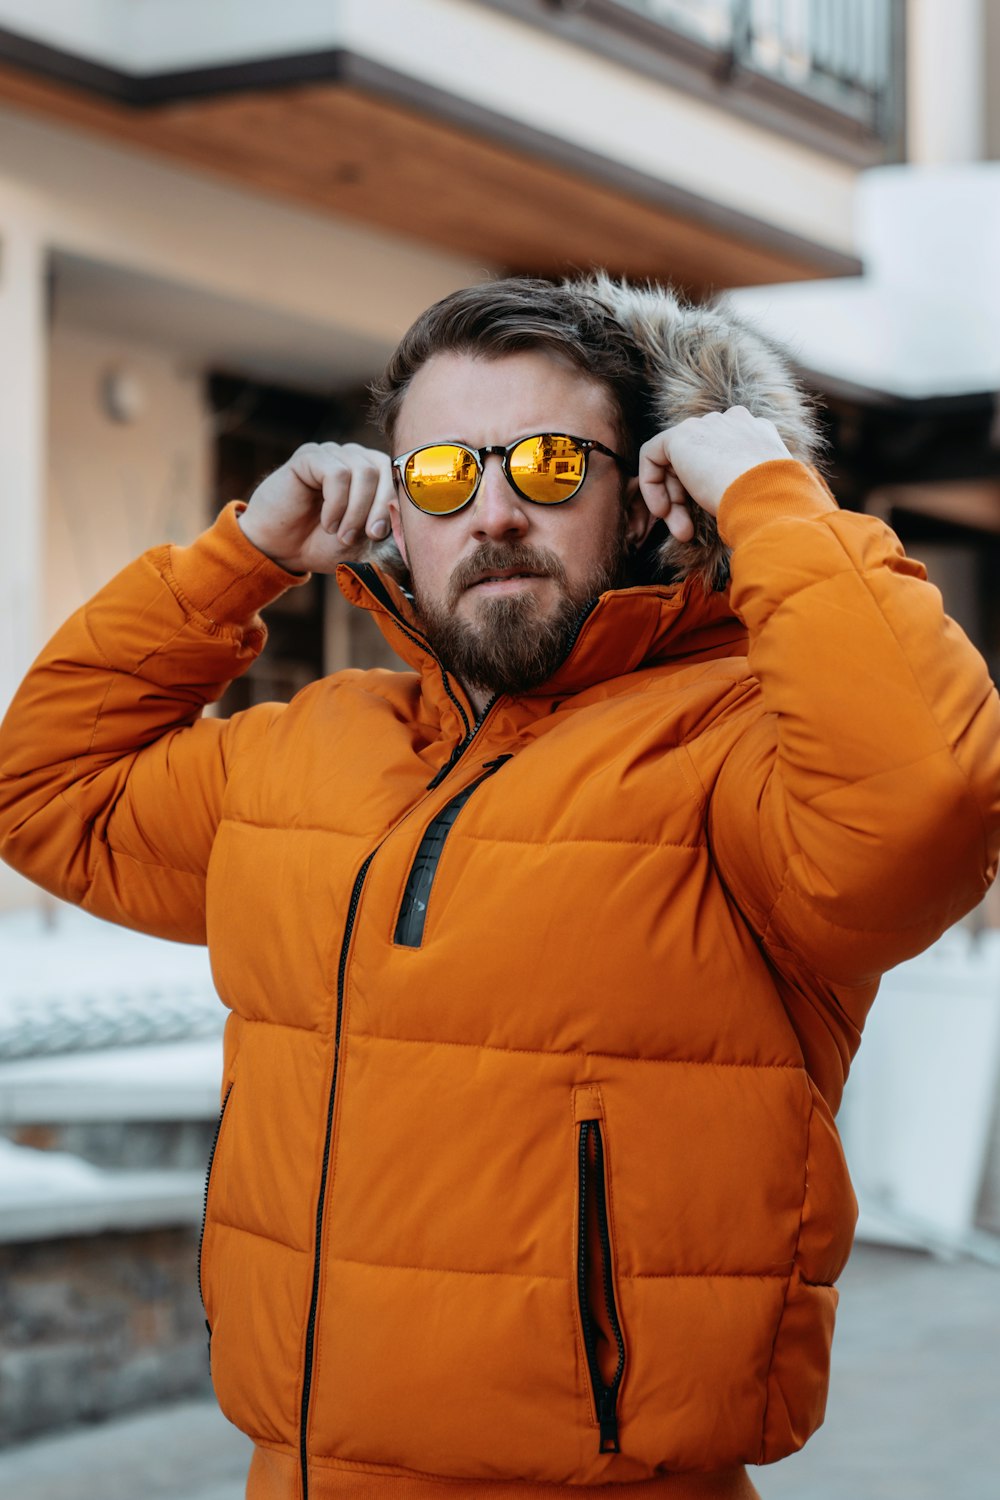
{"x":493,"y":450}
{"x":485,"y":482}
{"x":498,"y":506}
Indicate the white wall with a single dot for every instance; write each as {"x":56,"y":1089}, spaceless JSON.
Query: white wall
{"x":149,"y":35}
{"x":127,"y":208}
{"x":116,"y":488}
{"x":22,"y":438}
{"x":991,"y":84}
{"x":81,"y":494}
{"x":946,"y":81}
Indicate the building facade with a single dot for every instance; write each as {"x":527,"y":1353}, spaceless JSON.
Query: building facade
{"x":215,"y":223}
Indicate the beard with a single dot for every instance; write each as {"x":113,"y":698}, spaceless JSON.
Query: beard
{"x":514,"y":643}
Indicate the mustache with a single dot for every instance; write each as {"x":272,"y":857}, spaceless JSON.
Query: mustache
{"x":498,"y":557}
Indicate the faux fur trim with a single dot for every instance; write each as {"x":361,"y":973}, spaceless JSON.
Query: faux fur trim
{"x":702,"y":359}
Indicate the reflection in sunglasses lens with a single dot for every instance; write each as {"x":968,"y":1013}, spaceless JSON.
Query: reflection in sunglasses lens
{"x":548,"y":468}
{"x":440,"y":478}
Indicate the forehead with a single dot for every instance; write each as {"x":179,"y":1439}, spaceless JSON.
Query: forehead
{"x":483,"y":401}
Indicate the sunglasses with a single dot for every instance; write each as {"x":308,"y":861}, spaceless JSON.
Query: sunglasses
{"x":547,"y":469}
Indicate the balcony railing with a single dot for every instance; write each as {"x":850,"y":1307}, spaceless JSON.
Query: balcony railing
{"x":837,"y":53}
{"x":832,"y":70}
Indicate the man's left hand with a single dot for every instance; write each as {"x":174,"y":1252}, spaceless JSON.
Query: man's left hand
{"x":699,"y":459}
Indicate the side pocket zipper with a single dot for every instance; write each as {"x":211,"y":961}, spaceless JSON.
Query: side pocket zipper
{"x":593,"y":1214}
{"x":204,"y":1211}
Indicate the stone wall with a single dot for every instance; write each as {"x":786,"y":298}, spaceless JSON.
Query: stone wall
{"x":95,"y":1326}
{"x":123,"y":1144}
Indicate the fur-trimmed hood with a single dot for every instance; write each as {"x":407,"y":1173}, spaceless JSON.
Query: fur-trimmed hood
{"x":703,"y":358}
{"x":699,"y":358}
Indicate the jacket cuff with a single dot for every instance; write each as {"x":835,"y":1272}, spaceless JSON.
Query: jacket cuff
{"x":779,"y":489}
{"x":223,"y":576}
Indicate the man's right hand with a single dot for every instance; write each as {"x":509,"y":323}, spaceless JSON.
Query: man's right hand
{"x":318,"y":508}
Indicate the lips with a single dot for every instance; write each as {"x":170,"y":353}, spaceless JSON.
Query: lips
{"x":506,"y":575}
{"x":493,"y":567}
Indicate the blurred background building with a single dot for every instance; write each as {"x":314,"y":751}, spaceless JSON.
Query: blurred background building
{"x":215,"y":222}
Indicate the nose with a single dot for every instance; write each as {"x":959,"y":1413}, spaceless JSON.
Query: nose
{"x":498,"y":510}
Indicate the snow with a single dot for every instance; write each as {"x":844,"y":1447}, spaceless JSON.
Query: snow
{"x":165,"y":1081}
{"x":47,"y":1194}
{"x":69,"y":983}
{"x":99,"y":1023}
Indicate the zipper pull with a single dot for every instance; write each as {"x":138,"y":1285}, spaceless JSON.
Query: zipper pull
{"x":608,"y":1420}
{"x":452,"y":761}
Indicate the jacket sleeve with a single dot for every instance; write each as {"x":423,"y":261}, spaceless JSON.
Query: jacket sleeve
{"x":111,"y":782}
{"x":858,"y":816}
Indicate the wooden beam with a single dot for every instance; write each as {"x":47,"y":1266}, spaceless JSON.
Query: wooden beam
{"x":342,"y":148}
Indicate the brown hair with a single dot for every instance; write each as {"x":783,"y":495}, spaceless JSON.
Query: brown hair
{"x":506,"y":316}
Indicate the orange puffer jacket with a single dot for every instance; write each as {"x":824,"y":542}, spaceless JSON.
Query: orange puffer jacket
{"x":527,"y":1168}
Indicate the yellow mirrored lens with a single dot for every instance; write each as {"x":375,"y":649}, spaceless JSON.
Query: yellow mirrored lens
{"x":440,"y":478}
{"x":548,"y":468}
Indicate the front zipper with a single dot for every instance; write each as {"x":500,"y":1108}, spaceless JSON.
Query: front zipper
{"x":409,"y":931}
{"x":352,"y":912}
{"x":593,"y":1207}
{"x":371,"y":580}
{"x":204,"y":1212}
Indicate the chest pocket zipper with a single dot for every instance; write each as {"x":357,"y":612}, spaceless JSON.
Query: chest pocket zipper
{"x":600,"y":1324}
{"x":413,"y":910}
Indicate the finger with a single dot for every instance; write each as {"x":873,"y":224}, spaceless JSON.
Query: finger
{"x":335,"y":482}
{"x":653,"y":488}
{"x":361,"y":495}
{"x":675,"y":490}
{"x":378,"y":517}
{"x":654,"y":457}
{"x":680,"y":523}
{"x":310,"y":465}
{"x":661,"y":490}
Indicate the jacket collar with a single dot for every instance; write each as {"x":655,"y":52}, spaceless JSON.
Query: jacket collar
{"x":623,"y":630}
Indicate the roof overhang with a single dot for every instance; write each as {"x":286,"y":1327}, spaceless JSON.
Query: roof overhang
{"x":335,"y":131}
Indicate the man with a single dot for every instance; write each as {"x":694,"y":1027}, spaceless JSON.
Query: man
{"x":547,"y":957}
